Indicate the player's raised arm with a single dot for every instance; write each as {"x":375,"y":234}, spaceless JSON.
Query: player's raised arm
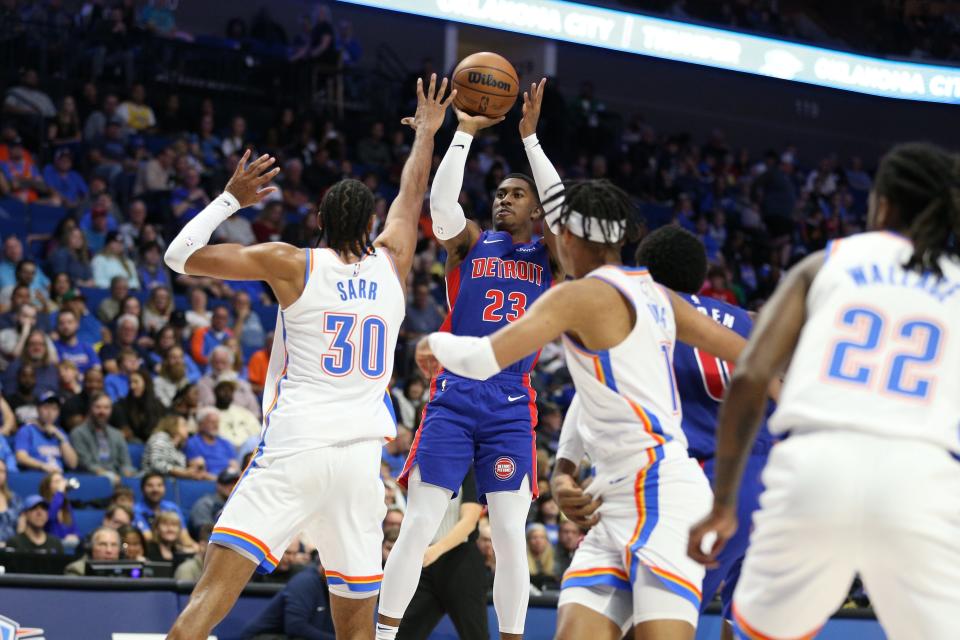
{"x":544,"y":173}
{"x":772,"y":342}
{"x":280,"y":265}
{"x":450,"y":225}
{"x":697,"y":330}
{"x":399,"y":234}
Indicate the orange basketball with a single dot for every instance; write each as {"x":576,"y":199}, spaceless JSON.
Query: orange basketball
{"x":486,"y":84}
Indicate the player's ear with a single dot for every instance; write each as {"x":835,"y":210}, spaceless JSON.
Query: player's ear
{"x":537,"y":212}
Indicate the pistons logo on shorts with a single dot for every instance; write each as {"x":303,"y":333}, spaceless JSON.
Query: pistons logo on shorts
{"x":504,"y":468}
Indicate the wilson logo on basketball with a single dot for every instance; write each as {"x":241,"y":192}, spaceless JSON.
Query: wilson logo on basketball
{"x":487,"y":80}
{"x":504,"y":468}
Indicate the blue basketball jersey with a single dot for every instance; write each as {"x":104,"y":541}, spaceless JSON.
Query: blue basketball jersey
{"x":494,"y":285}
{"x":702,"y":380}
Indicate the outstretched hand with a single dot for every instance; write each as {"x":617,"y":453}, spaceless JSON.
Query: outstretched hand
{"x":532,"y":101}
{"x":431,"y":107}
{"x":246,"y":182}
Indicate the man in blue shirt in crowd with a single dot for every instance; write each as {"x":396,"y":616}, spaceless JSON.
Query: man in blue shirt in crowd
{"x":154,"y":491}
{"x":69,"y":347}
{"x":217,"y":453}
{"x":43,"y":446}
{"x":301,"y":610}
{"x":12,"y":255}
{"x":66,"y":182}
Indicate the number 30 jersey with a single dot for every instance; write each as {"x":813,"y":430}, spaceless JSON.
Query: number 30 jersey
{"x":880,"y":350}
{"x":494,"y":285}
{"x":332,"y":355}
{"x":702,"y":381}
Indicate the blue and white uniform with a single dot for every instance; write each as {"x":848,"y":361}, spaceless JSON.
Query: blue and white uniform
{"x":326,"y":416}
{"x":868,"y":482}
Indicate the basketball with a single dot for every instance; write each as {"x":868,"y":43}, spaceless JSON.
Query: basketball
{"x":486,"y":84}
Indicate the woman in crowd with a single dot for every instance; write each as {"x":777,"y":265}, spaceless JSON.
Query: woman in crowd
{"x":65,"y":127}
{"x":164,"y":546}
{"x":53,"y":489}
{"x":156,"y":314}
{"x":410,"y":401}
{"x":540,"y":557}
{"x":73,"y":258}
{"x":112,"y":262}
{"x":59,"y":287}
{"x":10,"y":505}
{"x":68,"y":380}
{"x":133,"y":546}
{"x":164,"y":450}
{"x":139,"y":412}
{"x":198,"y":316}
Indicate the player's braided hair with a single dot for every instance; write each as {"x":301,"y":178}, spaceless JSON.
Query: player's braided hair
{"x":675,"y":258}
{"x":922,"y":181}
{"x":344,"y":215}
{"x":597,"y":200}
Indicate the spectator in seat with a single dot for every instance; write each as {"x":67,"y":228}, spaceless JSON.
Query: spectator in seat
{"x":216,"y":452}
{"x":135,"y":112}
{"x":13,"y":340}
{"x":27,"y":99}
{"x":95,"y":125}
{"x":73,"y":258}
{"x":104,"y":547}
{"x":112,"y":262}
{"x":151,"y":271}
{"x":304,"y":234}
{"x":717,"y":286}
{"x":548,"y":514}
{"x":23,"y":400}
{"x":373,"y":151}
{"x":247,"y":327}
{"x":221,"y":368}
{"x":395,"y":452}
{"x":301,"y":610}
{"x":237,"y":424}
{"x":540,"y":557}
{"x":127,"y":337}
{"x":164,"y":454}
{"x":117,"y":517}
{"x":34,"y":538}
{"x":154,"y":492}
{"x":155,"y":175}
{"x":61,"y":522}
{"x":22,"y":178}
{"x":258,"y":363}
{"x":117,"y":385}
{"x":68,"y":381}
{"x":133,"y":546}
{"x":569,"y":540}
{"x":204,"y":339}
{"x":206,"y":510}
{"x":109,"y":308}
{"x":89,"y":330}
{"x":27,"y":274}
{"x":205,"y":144}
{"x":97,"y":223}
{"x":189,"y":199}
{"x":10,"y":506}
{"x":236,"y":142}
{"x":549,"y":422}
{"x":423,"y":314}
{"x":131,"y":231}
{"x":235,"y":229}
{"x":166,"y":542}
{"x":69,"y":347}
{"x":268,"y":227}
{"x":76,"y":408}
{"x":42,"y":446}
{"x":186,"y":404}
{"x":410,"y":401}
{"x":38,"y":354}
{"x":172,"y":376}
{"x":159,"y":308}
{"x":190,"y":570}
{"x":12,"y":256}
{"x":139,"y":411}
{"x":101,"y":447}
{"x":68,"y":185}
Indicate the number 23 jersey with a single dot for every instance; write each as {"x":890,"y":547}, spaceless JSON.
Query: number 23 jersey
{"x":880,"y":351}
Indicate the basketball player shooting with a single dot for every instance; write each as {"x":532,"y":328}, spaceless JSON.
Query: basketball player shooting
{"x":492,"y":278}
{"x":340,"y":312}
{"x":632,"y":568}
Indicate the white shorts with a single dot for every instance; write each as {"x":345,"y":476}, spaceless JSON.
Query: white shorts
{"x":333,"y":494}
{"x":838,"y":503}
{"x":633,"y":567}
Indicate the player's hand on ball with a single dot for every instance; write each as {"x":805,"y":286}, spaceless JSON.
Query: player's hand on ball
{"x":710,"y":535}
{"x":579,"y":506}
{"x":472,"y":124}
{"x":431,"y":107}
{"x":246,"y":182}
{"x":425,"y":358}
{"x":532,"y":101}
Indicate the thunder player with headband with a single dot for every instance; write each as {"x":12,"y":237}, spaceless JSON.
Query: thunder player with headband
{"x":326,"y":411}
{"x":869,"y":480}
{"x":618,"y":328}
{"x":677,"y":259}
{"x":492,"y":279}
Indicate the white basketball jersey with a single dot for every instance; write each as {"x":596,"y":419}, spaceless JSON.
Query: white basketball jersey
{"x":879,"y":351}
{"x":628,"y":393}
{"x":333,"y":355}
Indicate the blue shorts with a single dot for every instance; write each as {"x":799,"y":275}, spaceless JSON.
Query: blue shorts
{"x":488,"y":424}
{"x":730,"y":559}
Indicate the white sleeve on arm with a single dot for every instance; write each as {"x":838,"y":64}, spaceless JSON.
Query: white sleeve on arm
{"x":445,"y":210}
{"x":465,"y":356}
{"x":547,"y":179}
{"x":197,"y":232}
{"x":571,"y":446}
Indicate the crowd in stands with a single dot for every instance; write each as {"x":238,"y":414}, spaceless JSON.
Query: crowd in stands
{"x":113,"y":367}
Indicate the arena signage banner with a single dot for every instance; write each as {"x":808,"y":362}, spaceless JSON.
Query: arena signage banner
{"x":683,"y":42}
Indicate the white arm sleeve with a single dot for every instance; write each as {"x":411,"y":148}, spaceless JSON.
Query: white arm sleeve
{"x":447,"y":214}
{"x":571,"y":446}
{"x":197,"y":232}
{"x":465,"y":356}
{"x":547,"y":179}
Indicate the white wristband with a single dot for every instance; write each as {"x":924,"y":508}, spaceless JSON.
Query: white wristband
{"x":465,"y":356}
{"x":197,"y":232}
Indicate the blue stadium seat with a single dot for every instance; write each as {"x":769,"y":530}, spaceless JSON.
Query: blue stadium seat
{"x":92,"y":487}
{"x":136,"y":454}
{"x":268,"y":316}
{"x":87,"y":520}
{"x":94,"y":297}
{"x":45,"y":218}
{"x":25,"y":483}
{"x":13,"y":218}
{"x":189,"y":491}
